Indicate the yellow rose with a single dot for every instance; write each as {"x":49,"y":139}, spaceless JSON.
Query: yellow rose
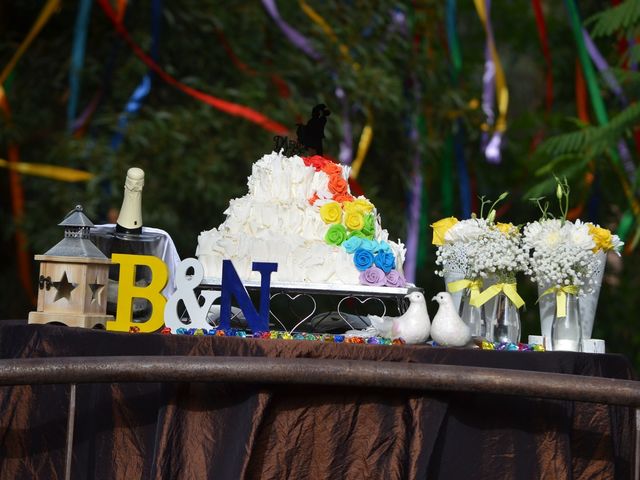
{"x":361,"y":205}
{"x":601,"y":237}
{"x":364,"y":205}
{"x":440,"y":229}
{"x":354,"y":220}
{"x":331,"y":212}
{"x":506,"y":228}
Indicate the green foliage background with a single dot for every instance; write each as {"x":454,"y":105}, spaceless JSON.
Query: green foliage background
{"x":197,"y":158}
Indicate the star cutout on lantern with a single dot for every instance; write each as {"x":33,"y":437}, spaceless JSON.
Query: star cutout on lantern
{"x":64,"y":288}
{"x":96,"y":288}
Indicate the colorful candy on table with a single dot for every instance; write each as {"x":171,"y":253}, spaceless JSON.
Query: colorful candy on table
{"x":334,"y":338}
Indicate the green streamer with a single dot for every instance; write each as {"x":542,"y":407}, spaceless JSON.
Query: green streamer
{"x":587,"y":66}
{"x":626,"y":222}
{"x":447,"y":178}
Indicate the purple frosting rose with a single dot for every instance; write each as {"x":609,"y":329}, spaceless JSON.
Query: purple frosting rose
{"x":373,"y":276}
{"x":395,"y":279}
{"x":362,"y":259}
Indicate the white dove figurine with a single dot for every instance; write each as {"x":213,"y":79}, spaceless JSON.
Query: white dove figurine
{"x":447,"y":328}
{"x":412,"y":326}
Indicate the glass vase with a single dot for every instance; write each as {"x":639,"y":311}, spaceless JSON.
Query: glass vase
{"x":566,"y":333}
{"x":473,"y":316}
{"x":503,"y":324}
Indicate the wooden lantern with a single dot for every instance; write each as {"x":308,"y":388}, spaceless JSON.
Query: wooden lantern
{"x":73,"y":278}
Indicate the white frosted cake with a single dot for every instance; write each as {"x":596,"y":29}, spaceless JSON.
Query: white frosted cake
{"x":300,"y":214}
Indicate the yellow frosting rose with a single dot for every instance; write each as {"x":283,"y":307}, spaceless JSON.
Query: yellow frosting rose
{"x":363,"y":204}
{"x":354,"y":220}
{"x":331,"y":212}
{"x":440,"y":229}
{"x":601,"y":237}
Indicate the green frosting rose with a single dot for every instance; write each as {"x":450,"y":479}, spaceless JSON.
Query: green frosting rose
{"x":369,"y":228}
{"x":336,"y":234}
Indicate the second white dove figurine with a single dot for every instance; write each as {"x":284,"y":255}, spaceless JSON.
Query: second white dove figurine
{"x":447,"y":328}
{"x":412,"y":326}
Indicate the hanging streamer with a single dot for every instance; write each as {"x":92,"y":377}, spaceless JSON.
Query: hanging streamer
{"x":413,"y":227}
{"x":458,"y":127}
{"x":546,"y":52}
{"x":601,"y":113}
{"x":230,"y":108}
{"x":363,"y":146}
{"x":295,"y":37}
{"x":52,"y":172}
{"x":581,"y":96}
{"x":77,"y":59}
{"x":144,"y":87}
{"x":493,"y":149}
{"x":614,"y":86}
{"x":49,"y":9}
{"x":17,"y":209}
{"x":346,"y":144}
{"x":328,"y":31}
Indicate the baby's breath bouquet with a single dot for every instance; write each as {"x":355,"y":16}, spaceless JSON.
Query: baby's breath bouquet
{"x":566,"y":259}
{"x":486,"y":257}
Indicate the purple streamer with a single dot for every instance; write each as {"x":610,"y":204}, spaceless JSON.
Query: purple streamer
{"x":603,"y":67}
{"x":614,"y":86}
{"x":490,"y":145}
{"x":346,"y":144}
{"x":295,"y":37}
{"x":413,"y":229}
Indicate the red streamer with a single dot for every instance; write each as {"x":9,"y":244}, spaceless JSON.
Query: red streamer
{"x":17,"y":208}
{"x":217,"y":103}
{"x":546,"y":52}
{"x":581,"y":95}
{"x":544,"y":44}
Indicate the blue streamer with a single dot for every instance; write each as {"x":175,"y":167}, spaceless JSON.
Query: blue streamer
{"x":463,"y":174}
{"x":144,"y":87}
{"x":77,"y":58}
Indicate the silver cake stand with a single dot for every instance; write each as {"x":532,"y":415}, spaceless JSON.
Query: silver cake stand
{"x":322,"y":307}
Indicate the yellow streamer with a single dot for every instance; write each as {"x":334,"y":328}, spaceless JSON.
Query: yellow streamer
{"x":363,"y":147}
{"x":54,"y":172}
{"x":509,"y":290}
{"x":561,"y":298}
{"x":474,"y":287}
{"x":49,"y":9}
{"x":328,"y":31}
{"x":502,"y":93}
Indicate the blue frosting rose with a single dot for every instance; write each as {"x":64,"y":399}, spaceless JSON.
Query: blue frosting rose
{"x":369,"y":245}
{"x":385,"y":261}
{"x":352,"y":244}
{"x":362,"y":259}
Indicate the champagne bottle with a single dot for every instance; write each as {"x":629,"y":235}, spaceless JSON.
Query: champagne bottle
{"x":130,"y":217}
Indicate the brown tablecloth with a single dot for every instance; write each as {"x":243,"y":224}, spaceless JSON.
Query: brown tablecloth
{"x":234,"y":431}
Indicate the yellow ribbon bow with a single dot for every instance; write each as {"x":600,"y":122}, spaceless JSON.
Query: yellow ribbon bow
{"x":561,"y":297}
{"x":509,"y":290}
{"x":474,"y":287}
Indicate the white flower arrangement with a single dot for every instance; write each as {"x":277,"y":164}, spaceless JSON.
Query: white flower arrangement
{"x":479,"y":247}
{"x":488,"y":249}
{"x":562,"y":253}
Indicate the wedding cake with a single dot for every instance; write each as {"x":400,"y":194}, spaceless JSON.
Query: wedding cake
{"x":300,"y":213}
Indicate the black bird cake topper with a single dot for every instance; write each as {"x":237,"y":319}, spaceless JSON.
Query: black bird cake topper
{"x":310,"y":135}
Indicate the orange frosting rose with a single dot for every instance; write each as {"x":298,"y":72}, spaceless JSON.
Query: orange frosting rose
{"x":331,"y":168}
{"x":337,"y":185}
